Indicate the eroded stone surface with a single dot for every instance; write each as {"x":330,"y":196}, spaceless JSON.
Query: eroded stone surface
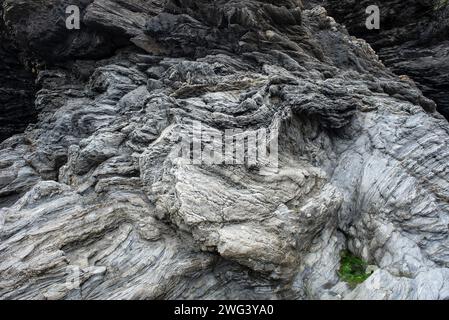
{"x":97,"y":186}
{"x":413,"y":39}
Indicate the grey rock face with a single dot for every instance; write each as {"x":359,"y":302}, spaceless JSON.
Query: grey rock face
{"x":413,"y":39}
{"x":97,"y":203}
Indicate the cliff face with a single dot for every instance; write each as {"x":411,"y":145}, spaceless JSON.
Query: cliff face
{"x":97,"y":202}
{"x":17,"y":89}
{"x":413,"y":39}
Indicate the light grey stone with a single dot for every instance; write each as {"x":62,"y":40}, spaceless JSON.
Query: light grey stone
{"x":96,"y":191}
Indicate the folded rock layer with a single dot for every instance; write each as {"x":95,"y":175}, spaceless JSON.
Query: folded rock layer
{"x":98,"y":204}
{"x":413,"y":39}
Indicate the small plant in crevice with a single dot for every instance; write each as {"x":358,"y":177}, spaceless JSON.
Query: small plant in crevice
{"x":352,"y":269}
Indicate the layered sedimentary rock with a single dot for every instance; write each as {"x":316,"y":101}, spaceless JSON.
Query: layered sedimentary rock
{"x":97,"y":202}
{"x":413,"y":39}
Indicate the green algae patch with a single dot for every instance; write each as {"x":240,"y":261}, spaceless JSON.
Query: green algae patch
{"x":352,"y":269}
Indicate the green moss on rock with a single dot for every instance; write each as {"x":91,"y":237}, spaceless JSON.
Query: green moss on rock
{"x":352,"y":269}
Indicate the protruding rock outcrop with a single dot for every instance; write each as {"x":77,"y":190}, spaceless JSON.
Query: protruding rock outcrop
{"x":413,"y":39}
{"x":97,"y":201}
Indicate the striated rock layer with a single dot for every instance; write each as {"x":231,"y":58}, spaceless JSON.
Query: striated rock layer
{"x":413,"y":39}
{"x":97,"y":203}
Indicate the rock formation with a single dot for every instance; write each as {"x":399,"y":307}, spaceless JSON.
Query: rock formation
{"x":97,"y":202}
{"x":413,"y":39}
{"x":17,"y":88}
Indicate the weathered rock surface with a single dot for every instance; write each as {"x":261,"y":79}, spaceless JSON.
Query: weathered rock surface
{"x":96,"y":202}
{"x":413,"y":39}
{"x":17,"y":89}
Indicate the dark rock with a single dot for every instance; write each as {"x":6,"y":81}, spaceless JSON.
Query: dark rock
{"x":413,"y":39}
{"x":17,"y":89}
{"x":105,"y":26}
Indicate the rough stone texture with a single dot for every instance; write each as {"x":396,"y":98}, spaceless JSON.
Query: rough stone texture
{"x":97,"y":185}
{"x":413,"y":39}
{"x":17,"y":88}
